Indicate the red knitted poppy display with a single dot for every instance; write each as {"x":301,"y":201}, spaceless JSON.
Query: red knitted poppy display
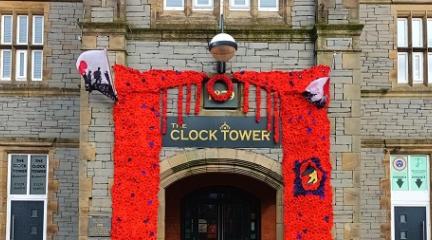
{"x":140,"y":122}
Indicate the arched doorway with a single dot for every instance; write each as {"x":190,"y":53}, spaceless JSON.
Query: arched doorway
{"x":220,"y":213}
{"x":215,"y":206}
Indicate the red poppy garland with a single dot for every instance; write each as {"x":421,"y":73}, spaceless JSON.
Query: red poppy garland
{"x":291,"y":104}
{"x":220,"y":96}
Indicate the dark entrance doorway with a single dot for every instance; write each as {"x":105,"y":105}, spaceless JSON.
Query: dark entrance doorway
{"x":410,"y":223}
{"x":220,"y":213}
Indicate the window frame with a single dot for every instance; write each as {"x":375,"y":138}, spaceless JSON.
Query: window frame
{"x":268,"y":9}
{"x":234,"y":7}
{"x":19,"y":78}
{"x":2,"y":78}
{"x":167,"y":8}
{"x":33,"y":78}
{"x":34,"y":28}
{"x":2,"y":29}
{"x":412,"y":50}
{"x":18,"y":31}
{"x":196,"y":7}
{"x":27,"y":196}
{"x":30,"y":46}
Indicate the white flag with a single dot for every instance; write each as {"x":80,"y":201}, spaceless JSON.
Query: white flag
{"x":314,"y":92}
{"x":93,"y":66}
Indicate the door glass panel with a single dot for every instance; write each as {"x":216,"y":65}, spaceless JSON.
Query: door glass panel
{"x":403,"y":235}
{"x":402,"y":218}
{"x":215,"y":214}
{"x":18,"y":174}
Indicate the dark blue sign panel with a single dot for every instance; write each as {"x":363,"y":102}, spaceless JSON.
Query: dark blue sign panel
{"x":229,"y":132}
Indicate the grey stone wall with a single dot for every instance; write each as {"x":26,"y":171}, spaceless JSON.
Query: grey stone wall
{"x":39,"y":117}
{"x":372,"y":171}
{"x":63,"y":44}
{"x":67,"y":195}
{"x":138,"y":13}
{"x":303,"y":13}
{"x":195,"y":56}
{"x":377,"y":40}
{"x":101,"y":134}
{"x":397,"y":118}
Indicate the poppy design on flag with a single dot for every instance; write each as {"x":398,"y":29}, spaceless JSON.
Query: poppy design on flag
{"x":93,"y":66}
{"x":310,"y":178}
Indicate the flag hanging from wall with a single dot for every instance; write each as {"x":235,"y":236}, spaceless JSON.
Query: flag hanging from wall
{"x":93,"y":66}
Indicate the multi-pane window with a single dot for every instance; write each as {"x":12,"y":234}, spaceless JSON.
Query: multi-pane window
{"x":21,"y":47}
{"x":235,"y":5}
{"x":414,"y":43}
{"x":27,"y":196}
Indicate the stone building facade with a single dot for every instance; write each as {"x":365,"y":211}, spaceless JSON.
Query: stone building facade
{"x":373,"y":117}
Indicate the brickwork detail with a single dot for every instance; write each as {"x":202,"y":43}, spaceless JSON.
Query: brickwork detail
{"x":397,"y":118}
{"x":63,"y":44}
{"x":67,"y":174}
{"x":372,"y":172}
{"x":376,"y":44}
{"x":303,"y":13}
{"x":44,"y":117}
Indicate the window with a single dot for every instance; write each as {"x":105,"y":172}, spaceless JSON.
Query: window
{"x":22,"y":30}
{"x":174,"y":4}
{"x":6,"y":64}
{"x":6,"y":29}
{"x":27,"y":196}
{"x":21,"y":65}
{"x":414,"y":42}
{"x":21,"y":48}
{"x":239,"y":5}
{"x":202,"y":4}
{"x":268,"y":5}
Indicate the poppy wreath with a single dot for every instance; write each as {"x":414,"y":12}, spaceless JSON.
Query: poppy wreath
{"x":222,"y":97}
{"x":140,"y":119}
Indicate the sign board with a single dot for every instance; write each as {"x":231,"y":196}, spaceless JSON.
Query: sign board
{"x":18,"y":183}
{"x":232,"y":103}
{"x":410,"y":173}
{"x":418,"y":172}
{"x":38,"y":164}
{"x":399,"y":174}
{"x":232,"y":132}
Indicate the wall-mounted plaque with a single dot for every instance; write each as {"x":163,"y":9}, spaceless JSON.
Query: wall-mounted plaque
{"x":418,"y":171}
{"x":399,"y":173}
{"x":232,"y":103}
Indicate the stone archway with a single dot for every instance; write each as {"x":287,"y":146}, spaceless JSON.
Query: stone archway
{"x":221,"y":160}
